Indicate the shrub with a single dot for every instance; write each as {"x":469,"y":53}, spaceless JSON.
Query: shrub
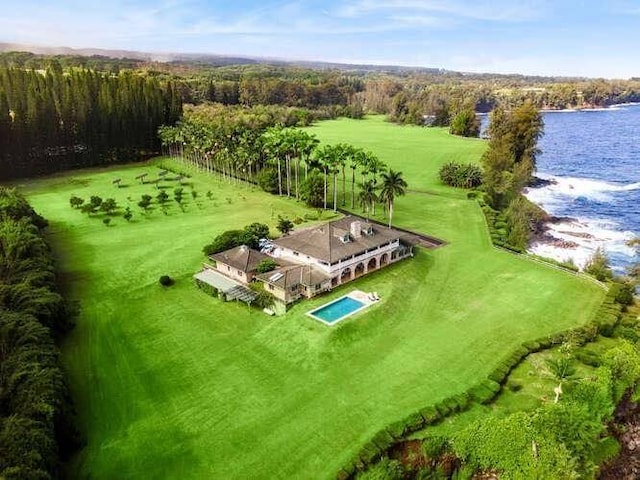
{"x":312,"y":190}
{"x":166,"y":281}
{"x":598,"y":265}
{"x":465,"y":123}
{"x":266,"y":265}
{"x":268,"y":180}
{"x":434,"y":446}
{"x":588,"y":357}
{"x":430,"y":415}
{"x":514,"y":386}
{"x":284,"y":225}
{"x":460,"y":175}
{"x":384,"y":470}
{"x":260,"y":230}
{"x":624,"y":294}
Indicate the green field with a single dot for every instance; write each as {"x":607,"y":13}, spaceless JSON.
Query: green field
{"x":171,"y":383}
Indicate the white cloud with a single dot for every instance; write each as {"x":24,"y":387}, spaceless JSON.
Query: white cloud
{"x":499,"y":10}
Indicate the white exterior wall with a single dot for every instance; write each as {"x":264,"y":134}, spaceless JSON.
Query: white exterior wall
{"x":365,"y":257}
{"x":331,"y":270}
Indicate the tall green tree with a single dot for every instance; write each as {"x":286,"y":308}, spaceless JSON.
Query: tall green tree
{"x":510,"y":159}
{"x":393,"y":185}
{"x":367,"y":197}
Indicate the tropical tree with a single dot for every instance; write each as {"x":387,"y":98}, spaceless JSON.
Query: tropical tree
{"x":322,"y":160}
{"x":393,"y":185}
{"x":272,"y":140}
{"x":367,"y":196}
{"x":375,"y":166}
{"x":356,"y":160}
{"x":284,"y":225}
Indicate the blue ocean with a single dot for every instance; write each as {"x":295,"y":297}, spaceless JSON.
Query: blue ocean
{"x":592,"y":158}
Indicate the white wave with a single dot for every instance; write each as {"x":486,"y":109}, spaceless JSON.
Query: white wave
{"x":573,"y":187}
{"x":577,"y":241}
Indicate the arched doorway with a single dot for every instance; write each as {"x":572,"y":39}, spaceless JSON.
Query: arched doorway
{"x":373,"y":264}
{"x":384,"y":259}
{"x":346,"y":275}
{"x":359,"y":271}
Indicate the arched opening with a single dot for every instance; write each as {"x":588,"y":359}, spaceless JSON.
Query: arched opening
{"x":359,"y":271}
{"x":384,"y":259}
{"x":373,"y":264}
{"x":334,"y":282}
{"x":346,"y":275}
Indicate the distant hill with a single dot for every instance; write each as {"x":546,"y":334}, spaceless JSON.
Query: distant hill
{"x":211,"y":59}
{"x":222,"y":60}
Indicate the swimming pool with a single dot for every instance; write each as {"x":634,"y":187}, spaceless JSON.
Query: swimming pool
{"x":339,"y":309}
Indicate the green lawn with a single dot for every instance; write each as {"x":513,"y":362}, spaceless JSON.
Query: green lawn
{"x":170,"y":383}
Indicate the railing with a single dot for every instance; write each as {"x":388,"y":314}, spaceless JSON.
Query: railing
{"x":367,"y":255}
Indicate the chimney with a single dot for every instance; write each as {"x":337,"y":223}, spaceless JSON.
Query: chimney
{"x":356,"y":229}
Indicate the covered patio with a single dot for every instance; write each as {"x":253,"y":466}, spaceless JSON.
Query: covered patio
{"x":227,"y":288}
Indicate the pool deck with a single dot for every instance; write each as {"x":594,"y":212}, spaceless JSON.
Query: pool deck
{"x":362,"y":297}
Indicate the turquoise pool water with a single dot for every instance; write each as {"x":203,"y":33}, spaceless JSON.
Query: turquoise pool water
{"x":337,"y":310}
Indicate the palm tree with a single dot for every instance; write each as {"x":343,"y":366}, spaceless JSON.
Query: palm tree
{"x":308,"y":143}
{"x":322,"y":159}
{"x":393,"y":185}
{"x":356,"y":161}
{"x":367,"y":196}
{"x":374,"y":166}
{"x":272,"y":143}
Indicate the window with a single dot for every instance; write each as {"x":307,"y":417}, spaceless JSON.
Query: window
{"x":270,"y":286}
{"x":240,"y":273}
{"x":317,"y":287}
{"x":228,"y":268}
{"x":295,"y":254}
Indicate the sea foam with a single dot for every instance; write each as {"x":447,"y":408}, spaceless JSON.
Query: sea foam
{"x":577,"y":239}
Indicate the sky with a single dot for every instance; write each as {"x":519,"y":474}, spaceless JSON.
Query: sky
{"x":589,"y":38}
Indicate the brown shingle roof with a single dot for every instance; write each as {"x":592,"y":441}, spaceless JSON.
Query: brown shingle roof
{"x":287,"y":277}
{"x":324,"y":242}
{"x":241,"y":258}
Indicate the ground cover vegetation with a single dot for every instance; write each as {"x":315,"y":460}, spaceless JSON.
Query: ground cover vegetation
{"x":272,"y":396}
{"x":37,"y":429}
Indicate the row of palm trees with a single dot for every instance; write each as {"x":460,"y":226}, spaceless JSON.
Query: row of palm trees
{"x":239,"y":153}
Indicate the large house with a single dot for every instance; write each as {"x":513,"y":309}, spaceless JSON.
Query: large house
{"x":316,"y":259}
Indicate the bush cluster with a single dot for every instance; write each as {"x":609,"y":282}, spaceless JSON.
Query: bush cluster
{"x":461,"y":175}
{"x":248,"y":236}
{"x":498,"y":231}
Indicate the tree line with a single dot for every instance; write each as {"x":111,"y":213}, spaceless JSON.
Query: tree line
{"x":54,"y":120}
{"x":253,"y":145}
{"x":36,"y":426}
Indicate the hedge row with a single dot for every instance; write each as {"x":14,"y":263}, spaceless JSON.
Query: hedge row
{"x":498,"y":231}
{"x":605,"y":320}
{"x":497,"y":223}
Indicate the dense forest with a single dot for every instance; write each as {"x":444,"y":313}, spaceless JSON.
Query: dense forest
{"x":36,"y":427}
{"x":56,"y":120}
{"x":406,"y":95}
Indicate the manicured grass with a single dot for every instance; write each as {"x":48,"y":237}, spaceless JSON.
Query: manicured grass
{"x":418,"y":152}
{"x":170,"y":383}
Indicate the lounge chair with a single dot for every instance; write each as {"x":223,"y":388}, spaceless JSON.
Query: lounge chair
{"x":376,"y":297}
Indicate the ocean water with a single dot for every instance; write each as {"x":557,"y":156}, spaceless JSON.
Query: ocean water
{"x":593,"y":159}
